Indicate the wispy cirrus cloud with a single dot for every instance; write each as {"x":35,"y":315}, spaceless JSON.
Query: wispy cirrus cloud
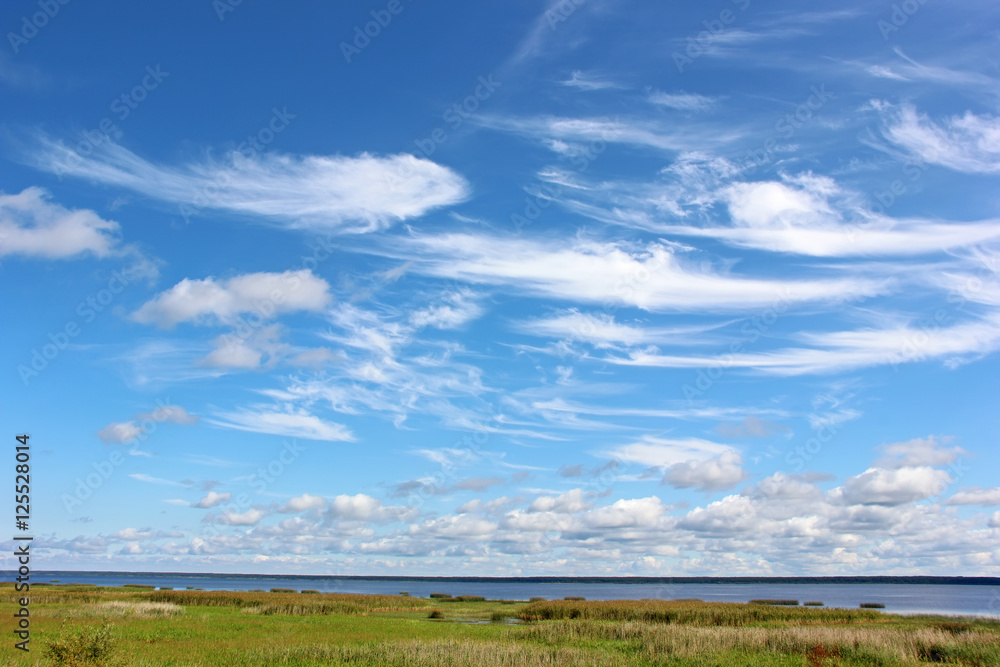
{"x":602,"y":330}
{"x":683,"y":101}
{"x":908,"y":69}
{"x":652,"y":276}
{"x":149,"y":479}
{"x":802,"y":214}
{"x":590,"y":81}
{"x":968,"y":143}
{"x":845,"y":350}
{"x":290,"y":423}
{"x":644,"y":133}
{"x":326,"y":192}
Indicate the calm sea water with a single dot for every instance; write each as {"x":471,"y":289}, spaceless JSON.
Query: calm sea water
{"x":963,"y":600}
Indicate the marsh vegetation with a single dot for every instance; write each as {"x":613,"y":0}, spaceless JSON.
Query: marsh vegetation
{"x":80,"y":626}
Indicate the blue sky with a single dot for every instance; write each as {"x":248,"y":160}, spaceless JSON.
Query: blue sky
{"x":525,"y":288}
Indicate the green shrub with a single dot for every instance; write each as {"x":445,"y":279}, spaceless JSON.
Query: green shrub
{"x":782,"y":603}
{"x":436,"y":613}
{"x":283,"y":590}
{"x":537,"y":599}
{"x":872,"y":605}
{"x":311,"y":592}
{"x":440,"y":596}
{"x":574,"y":598}
{"x":86,"y":649}
{"x":813,"y":603}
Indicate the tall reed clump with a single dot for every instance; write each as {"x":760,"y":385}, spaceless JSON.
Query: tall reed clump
{"x":689,"y":612}
{"x":69,"y":594}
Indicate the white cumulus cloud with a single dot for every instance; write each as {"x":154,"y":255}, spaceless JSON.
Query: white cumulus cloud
{"x":212,"y":499}
{"x":877,"y":486}
{"x":213,"y":301}
{"x":33,"y":226}
{"x":716,"y":474}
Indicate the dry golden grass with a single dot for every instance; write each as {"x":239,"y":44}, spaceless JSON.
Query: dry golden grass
{"x":125,"y":609}
{"x":294,"y":604}
{"x":868,"y":644}
{"x":434,"y":653}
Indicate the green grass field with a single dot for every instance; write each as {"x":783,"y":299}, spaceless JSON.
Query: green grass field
{"x":77,"y":626}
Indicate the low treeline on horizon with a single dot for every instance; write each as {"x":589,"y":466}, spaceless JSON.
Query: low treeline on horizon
{"x":849,"y":579}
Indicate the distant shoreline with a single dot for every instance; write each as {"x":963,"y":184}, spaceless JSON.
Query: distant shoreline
{"x":42,"y":575}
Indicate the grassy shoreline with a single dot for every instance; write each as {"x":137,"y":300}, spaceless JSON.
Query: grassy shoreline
{"x":153,"y":628}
